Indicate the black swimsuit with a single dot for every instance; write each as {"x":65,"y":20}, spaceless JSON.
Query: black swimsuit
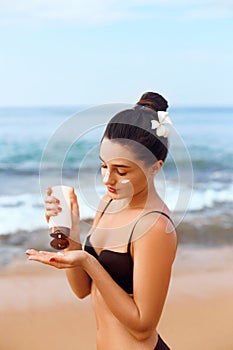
{"x":120,"y":265}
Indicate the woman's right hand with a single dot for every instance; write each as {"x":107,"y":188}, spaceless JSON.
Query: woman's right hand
{"x":52,"y":208}
{"x":51,"y":205}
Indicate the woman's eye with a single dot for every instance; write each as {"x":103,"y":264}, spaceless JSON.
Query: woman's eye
{"x":122,"y":174}
{"x":103,"y":166}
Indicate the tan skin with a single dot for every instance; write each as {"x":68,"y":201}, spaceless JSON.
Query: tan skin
{"x":123,"y":321}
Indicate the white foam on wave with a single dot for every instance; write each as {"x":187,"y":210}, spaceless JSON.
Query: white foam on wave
{"x":188,"y":199}
{"x":20,"y":212}
{"x":26,"y":211}
{"x":210,"y":197}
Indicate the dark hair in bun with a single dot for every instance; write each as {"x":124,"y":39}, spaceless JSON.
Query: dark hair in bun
{"x":154,"y":101}
{"x":132,"y":128}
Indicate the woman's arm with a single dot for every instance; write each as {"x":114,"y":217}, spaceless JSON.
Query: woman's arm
{"x":79,"y":280}
{"x":78,"y":274}
{"x":153,"y":253}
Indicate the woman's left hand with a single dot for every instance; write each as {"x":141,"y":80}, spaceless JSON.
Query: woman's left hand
{"x":60,"y":260}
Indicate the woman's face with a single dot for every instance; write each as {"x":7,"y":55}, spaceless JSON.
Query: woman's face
{"x":123,"y":174}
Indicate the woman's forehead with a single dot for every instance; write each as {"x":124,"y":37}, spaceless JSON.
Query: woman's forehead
{"x":111,"y":150}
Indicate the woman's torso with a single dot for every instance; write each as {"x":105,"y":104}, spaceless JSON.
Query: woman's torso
{"x":111,"y":238}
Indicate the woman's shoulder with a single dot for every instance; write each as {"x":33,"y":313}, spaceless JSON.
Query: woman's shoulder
{"x":155,"y":227}
{"x":157,"y":235}
{"x":155,"y":219}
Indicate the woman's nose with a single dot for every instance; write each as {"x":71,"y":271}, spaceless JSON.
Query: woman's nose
{"x":108,"y":178}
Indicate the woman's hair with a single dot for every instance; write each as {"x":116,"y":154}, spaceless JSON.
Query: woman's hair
{"x":132,"y":128}
{"x":154,"y":101}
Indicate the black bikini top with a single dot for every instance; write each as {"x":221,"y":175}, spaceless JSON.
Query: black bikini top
{"x":119,"y":265}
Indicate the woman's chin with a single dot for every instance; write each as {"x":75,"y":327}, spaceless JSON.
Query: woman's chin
{"x":115,"y":195}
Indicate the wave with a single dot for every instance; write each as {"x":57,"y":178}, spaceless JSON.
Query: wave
{"x":25,"y":135}
{"x":26,"y":211}
{"x":84,"y":153}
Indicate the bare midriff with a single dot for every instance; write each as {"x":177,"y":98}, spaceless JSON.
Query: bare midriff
{"x":110,"y":333}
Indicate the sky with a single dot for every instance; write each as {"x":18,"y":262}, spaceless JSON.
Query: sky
{"x":71,"y":52}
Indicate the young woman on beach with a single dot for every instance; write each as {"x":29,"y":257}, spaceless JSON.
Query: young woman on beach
{"x":126,"y":261}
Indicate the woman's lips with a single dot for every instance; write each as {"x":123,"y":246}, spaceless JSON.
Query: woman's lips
{"x":112,"y":190}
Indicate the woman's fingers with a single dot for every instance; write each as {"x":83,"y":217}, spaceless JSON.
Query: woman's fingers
{"x":74,"y":202}
{"x":57,"y":260}
{"x":31,"y":251}
{"x":60,"y":260}
{"x":49,"y":191}
{"x":53,"y":208}
{"x":49,"y":213}
{"x":51,"y":200}
{"x":51,"y":205}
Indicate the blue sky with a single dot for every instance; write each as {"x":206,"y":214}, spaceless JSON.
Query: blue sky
{"x":62,"y":52}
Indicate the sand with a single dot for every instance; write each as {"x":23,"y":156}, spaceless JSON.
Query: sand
{"x":39,"y":311}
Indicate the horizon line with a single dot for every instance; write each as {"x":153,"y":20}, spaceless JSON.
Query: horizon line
{"x":230,"y":106}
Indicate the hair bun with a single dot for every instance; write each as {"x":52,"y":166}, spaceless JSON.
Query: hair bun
{"x":153,"y":100}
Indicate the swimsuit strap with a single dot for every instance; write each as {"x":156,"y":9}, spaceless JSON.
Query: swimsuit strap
{"x":88,"y":236}
{"x":105,"y":209}
{"x":153,"y":211}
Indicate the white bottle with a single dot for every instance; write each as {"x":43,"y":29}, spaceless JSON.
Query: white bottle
{"x":60,"y":225}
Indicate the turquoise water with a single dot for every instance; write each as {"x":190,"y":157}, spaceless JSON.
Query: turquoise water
{"x":25,"y":133}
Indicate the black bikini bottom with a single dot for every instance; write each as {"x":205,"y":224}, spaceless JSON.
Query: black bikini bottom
{"x":161,"y":345}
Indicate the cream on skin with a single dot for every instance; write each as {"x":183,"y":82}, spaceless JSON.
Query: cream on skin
{"x":124,"y":185}
{"x":60,"y":254}
{"x":106,"y":176}
{"x":124,"y":181}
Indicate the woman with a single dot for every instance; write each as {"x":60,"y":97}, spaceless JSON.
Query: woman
{"x":127,"y":258}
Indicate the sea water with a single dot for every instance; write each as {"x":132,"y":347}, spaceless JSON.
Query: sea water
{"x":197,"y":176}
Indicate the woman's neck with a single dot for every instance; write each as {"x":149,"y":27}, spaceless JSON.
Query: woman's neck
{"x":144,"y":198}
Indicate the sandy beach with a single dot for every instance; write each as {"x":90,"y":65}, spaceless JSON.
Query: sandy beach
{"x":39,"y":311}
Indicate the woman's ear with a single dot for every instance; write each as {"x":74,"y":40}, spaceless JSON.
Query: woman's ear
{"x":156,"y":167}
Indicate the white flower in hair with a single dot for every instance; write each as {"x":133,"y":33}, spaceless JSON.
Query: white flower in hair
{"x":161,"y":129}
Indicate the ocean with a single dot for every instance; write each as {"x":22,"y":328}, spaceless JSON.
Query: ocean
{"x":44,"y":146}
